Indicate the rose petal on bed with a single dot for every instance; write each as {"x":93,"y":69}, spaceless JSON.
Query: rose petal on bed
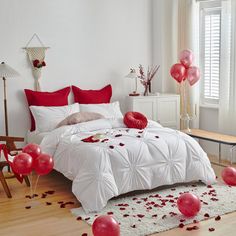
{"x":209,"y":186}
{"x":79,"y":218}
{"x":170,"y":196}
{"x":190,"y":228}
{"x":105,"y":140}
{"x":172,"y":189}
{"x":44,"y":195}
{"x":138,"y":136}
{"x":28,"y":196}
{"x":154,"y":215}
{"x":50,"y":192}
{"x":156,"y":136}
{"x":182,"y":220}
{"x":118,"y":135}
{"x":27,"y":207}
{"x":110,"y":213}
{"x":181,"y":225}
{"x":84,"y":234}
{"x":164,"y":216}
{"x":48,"y":203}
{"x":88,"y":218}
{"x":140,"y":132}
{"x":60,"y":202}
{"x":195,"y":221}
{"x":111,"y":147}
{"x":218,"y":218}
{"x":62,"y":205}
{"x":133,"y":226}
{"x":125,"y":215}
{"x":121,"y":144}
{"x":207,"y":215}
{"x":214,"y":199}
{"x":122,"y":208}
{"x":211,"y":229}
{"x":140,"y":215}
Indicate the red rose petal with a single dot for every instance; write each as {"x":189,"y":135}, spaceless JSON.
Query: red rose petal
{"x":217,"y":218}
{"x":48,"y":203}
{"x":164,"y":216}
{"x":111,"y":147}
{"x":181,"y":225}
{"x":122,"y":208}
{"x":118,"y":135}
{"x":87,"y":218}
{"x":27,"y":207}
{"x":133,"y":226}
{"x":211,"y":229}
{"x":192,"y":228}
{"x":121,"y":144}
{"x":182,"y":220}
{"x":154,"y":215}
{"x":125,"y":215}
{"x":195,"y":221}
{"x":50,"y":192}
{"x":140,"y":215}
{"x":156,"y":136}
{"x":44,"y":195}
{"x":110,"y":213}
{"x":105,"y":140}
{"x":207,"y":215}
{"x":138,"y":136}
{"x":84,"y":234}
{"x":79,"y":218}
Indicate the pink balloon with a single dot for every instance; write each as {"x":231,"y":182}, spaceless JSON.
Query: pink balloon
{"x":189,"y":204}
{"x":32,"y":149}
{"x":22,"y":164}
{"x":193,"y":75}
{"x":229,"y":175}
{"x":186,"y":58}
{"x":105,"y":226}
{"x":43,"y":164}
{"x":178,"y":72}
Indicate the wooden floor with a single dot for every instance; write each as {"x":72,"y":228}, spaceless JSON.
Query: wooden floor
{"x":46,"y":220}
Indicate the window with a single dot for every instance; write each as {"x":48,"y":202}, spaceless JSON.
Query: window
{"x":212,"y":36}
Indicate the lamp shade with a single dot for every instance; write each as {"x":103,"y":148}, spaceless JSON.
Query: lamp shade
{"x":7,"y":72}
{"x":132,"y":74}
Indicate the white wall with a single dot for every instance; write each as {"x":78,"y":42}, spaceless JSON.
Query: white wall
{"x":93,"y":43}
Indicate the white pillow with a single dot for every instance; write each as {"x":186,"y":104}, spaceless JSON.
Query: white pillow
{"x":108,"y":110}
{"x":47,"y":118}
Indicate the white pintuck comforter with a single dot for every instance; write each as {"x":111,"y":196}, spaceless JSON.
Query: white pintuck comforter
{"x":99,"y":171}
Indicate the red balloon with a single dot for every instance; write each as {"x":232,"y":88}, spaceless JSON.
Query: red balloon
{"x":186,"y":58}
{"x":22,"y":164}
{"x":32,"y":149}
{"x":178,"y":72}
{"x":105,"y":226}
{"x":189,"y":204}
{"x":229,"y":175}
{"x":43,"y":164}
{"x":193,"y":75}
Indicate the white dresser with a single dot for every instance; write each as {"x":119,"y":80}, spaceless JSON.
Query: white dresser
{"x":163,"y":108}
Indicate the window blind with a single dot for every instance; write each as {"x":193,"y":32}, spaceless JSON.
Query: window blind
{"x":211,"y":53}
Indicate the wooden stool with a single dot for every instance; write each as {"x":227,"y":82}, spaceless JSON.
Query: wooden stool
{"x":10,"y":143}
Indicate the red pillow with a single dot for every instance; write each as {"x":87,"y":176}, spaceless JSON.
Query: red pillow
{"x":57,"y":98}
{"x":92,"y":96}
{"x":135,"y":120}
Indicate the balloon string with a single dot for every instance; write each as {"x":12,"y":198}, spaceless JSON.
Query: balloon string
{"x":36,"y":183}
{"x":31,"y":184}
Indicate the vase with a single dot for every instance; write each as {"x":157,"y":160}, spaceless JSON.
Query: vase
{"x":146,"y":90}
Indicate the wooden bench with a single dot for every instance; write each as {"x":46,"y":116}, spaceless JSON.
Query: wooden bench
{"x":214,"y":137}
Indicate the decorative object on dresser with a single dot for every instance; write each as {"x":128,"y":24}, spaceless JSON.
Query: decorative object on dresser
{"x":6,"y":72}
{"x":183,"y":72}
{"x":133,"y":75}
{"x":146,"y":79}
{"x":163,"y":108}
{"x":36,"y":56}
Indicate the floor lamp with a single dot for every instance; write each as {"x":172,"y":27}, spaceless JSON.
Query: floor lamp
{"x":6,"y":72}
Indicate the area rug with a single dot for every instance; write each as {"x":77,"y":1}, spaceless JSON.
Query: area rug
{"x":156,"y":211}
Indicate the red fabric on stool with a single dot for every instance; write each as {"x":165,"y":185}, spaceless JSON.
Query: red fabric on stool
{"x":135,"y":120}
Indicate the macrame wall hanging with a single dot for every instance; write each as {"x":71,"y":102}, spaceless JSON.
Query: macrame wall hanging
{"x":37,"y":59}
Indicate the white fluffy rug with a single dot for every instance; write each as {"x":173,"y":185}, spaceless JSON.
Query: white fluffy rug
{"x":156,"y":211}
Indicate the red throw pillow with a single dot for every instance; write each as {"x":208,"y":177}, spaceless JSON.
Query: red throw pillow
{"x":57,"y":98}
{"x":92,"y":96}
{"x":135,"y":120}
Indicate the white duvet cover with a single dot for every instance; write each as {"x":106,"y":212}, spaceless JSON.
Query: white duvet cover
{"x":128,"y":160}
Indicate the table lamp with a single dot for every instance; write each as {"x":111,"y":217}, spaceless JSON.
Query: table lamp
{"x":133,"y":75}
{"x":6,"y":72}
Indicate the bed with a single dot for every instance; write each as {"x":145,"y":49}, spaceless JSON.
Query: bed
{"x":124,"y":159}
